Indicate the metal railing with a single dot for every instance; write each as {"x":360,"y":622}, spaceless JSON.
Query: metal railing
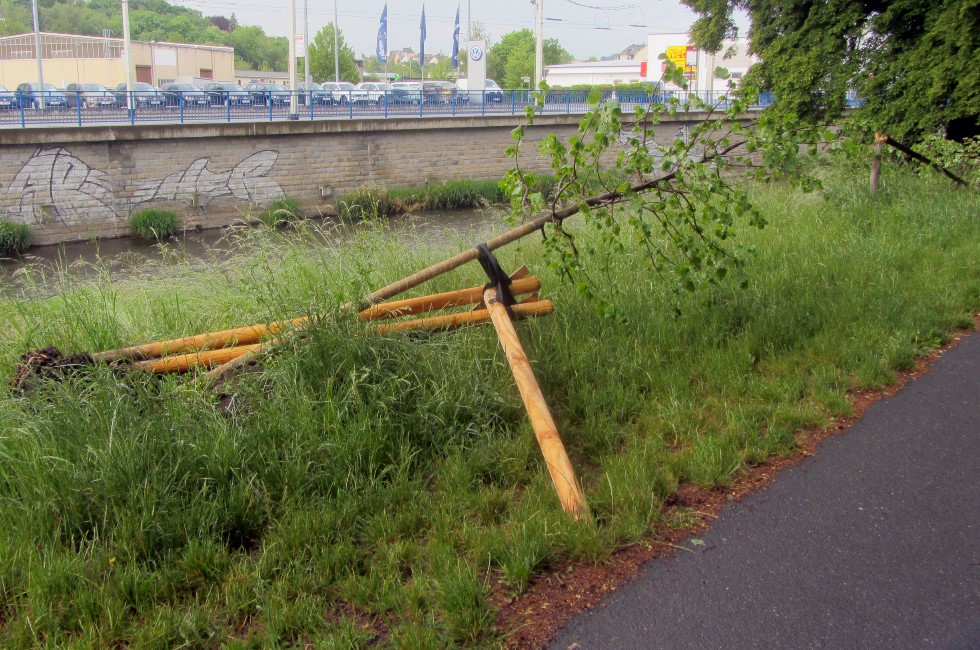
{"x":119,"y":107}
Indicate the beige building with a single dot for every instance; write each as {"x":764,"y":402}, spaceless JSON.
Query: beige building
{"x":67,"y":58}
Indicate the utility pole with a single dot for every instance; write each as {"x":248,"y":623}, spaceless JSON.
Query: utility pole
{"x":539,"y":43}
{"x":336,"y":44}
{"x":37,"y":54}
{"x":306,"y":40}
{"x":128,"y":59}
{"x":293,"y":110}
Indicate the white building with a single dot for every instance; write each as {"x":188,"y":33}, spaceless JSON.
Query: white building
{"x":699,"y":66}
{"x":593,"y":73}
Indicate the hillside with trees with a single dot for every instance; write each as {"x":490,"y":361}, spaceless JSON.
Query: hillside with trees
{"x":151,"y":20}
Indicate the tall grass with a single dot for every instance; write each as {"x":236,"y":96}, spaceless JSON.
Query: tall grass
{"x":360,"y":486}
{"x":449,"y":195}
{"x":14,"y":237}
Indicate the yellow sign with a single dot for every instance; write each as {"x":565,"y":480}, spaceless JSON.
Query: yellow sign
{"x":678,"y":54}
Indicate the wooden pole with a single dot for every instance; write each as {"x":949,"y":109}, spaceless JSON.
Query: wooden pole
{"x":435,"y":302}
{"x":461,"y":319}
{"x":876,"y":161}
{"x":198,"y":342}
{"x":184,"y":362}
{"x":559,"y":466}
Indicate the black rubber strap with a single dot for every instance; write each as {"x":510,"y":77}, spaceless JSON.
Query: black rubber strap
{"x":499,"y":279}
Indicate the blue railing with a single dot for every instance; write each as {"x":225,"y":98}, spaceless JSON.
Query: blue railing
{"x":118,"y":107}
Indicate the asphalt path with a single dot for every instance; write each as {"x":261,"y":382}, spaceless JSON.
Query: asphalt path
{"x":874,"y":542}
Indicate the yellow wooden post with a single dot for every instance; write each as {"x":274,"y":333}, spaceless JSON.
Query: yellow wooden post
{"x":559,"y":466}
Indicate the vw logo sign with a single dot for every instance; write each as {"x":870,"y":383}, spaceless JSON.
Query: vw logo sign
{"x":476,"y":53}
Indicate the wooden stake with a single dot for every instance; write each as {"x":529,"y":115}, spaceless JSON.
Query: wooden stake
{"x":439,"y":301}
{"x":199,"y":342}
{"x":559,"y":466}
{"x":184,"y":362}
{"x":876,"y":161}
{"x":461,"y":319}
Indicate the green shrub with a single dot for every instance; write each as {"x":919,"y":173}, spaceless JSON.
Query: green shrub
{"x":154,"y":224}
{"x":282,"y":211}
{"x":14,"y":237}
{"x":449,"y":195}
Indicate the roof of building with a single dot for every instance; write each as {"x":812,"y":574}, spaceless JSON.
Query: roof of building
{"x":613,"y":63}
{"x":48,"y":37}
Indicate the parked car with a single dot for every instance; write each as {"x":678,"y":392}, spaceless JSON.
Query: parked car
{"x":31,"y":95}
{"x":264,"y":94}
{"x":188,"y":94}
{"x":227,"y":93}
{"x":8,"y":98}
{"x":89,"y":96}
{"x":376,"y":91}
{"x":315,"y":93}
{"x":344,"y":91}
{"x":444,"y":92}
{"x":144,"y":96}
{"x":405,"y":92}
{"x":492,"y":92}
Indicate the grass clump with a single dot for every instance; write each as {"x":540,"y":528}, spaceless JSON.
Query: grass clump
{"x":450,"y":195}
{"x":153,"y":224}
{"x":282,"y":211}
{"x":385,"y":487}
{"x":14,"y":237}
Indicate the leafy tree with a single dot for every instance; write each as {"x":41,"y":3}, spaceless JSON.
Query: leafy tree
{"x":516,"y":46}
{"x":915,"y":63}
{"x":678,"y":202}
{"x":322,"y":59}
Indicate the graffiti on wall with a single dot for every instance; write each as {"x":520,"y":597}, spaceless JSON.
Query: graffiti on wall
{"x":55,"y":185}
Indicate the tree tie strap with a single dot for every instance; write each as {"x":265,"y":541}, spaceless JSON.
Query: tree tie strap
{"x":499,"y":279}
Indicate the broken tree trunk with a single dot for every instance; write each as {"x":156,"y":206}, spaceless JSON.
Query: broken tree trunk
{"x":545,"y":430}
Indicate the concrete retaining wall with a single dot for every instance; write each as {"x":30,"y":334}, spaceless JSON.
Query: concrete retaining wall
{"x":81,"y":183}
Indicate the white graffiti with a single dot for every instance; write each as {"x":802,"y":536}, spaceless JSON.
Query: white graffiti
{"x":55,"y":185}
{"x":197,"y":185}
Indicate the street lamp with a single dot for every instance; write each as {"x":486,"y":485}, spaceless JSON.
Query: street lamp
{"x":37,"y":54}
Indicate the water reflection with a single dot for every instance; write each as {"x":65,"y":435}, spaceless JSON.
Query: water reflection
{"x":124,"y":257}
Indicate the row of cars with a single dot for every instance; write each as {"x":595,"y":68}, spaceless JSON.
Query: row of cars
{"x":226,"y":93}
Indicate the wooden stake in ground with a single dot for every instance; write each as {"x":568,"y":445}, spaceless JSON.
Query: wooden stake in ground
{"x":876,"y":161}
{"x":559,"y":466}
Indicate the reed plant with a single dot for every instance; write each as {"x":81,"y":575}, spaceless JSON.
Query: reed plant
{"x":363,"y":488}
{"x":153,"y":224}
{"x":281,"y":212}
{"x":14,"y":237}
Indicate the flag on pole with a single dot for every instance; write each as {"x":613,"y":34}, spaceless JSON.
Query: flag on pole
{"x":422,"y":41}
{"x":382,"y":48}
{"x":456,"y":40}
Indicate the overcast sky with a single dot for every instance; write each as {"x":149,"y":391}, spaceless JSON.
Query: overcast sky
{"x":581,"y":28}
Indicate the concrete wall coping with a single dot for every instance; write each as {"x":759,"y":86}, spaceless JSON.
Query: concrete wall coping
{"x":39,"y":136}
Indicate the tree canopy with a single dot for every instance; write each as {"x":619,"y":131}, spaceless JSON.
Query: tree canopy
{"x":321,"y":57}
{"x":915,"y":63}
{"x":513,"y":57}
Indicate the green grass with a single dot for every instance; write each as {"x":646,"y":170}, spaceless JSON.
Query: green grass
{"x":366,"y":485}
{"x":153,"y":224}
{"x":449,"y":195}
{"x":14,"y":237}
{"x":282,"y":211}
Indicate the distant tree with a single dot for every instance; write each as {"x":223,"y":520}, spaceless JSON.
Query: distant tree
{"x":322,"y":57}
{"x":221,"y":23}
{"x":915,"y":63}
{"x":519,"y":46}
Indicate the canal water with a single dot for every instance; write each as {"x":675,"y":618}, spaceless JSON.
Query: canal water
{"x":40,"y":269}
